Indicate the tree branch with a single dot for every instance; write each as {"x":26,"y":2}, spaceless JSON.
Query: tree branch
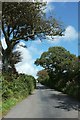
{"x":14,"y":43}
{"x":12,"y":30}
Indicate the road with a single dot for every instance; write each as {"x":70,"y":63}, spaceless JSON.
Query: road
{"x":45,"y":103}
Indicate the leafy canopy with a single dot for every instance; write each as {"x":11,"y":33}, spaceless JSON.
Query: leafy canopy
{"x":57,"y":59}
{"x":25,"y":21}
{"x":61,"y":70}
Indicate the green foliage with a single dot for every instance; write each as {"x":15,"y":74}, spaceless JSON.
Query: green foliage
{"x":63,"y":69}
{"x":6,"y":105}
{"x":43,"y":76}
{"x":18,"y":87}
{"x":22,"y":21}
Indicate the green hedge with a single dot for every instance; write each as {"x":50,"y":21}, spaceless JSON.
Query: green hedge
{"x":72,"y":88}
{"x":19,"y":87}
{"x":14,"y":89}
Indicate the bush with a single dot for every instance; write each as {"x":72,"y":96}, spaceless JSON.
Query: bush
{"x":19,"y":87}
{"x":72,"y":89}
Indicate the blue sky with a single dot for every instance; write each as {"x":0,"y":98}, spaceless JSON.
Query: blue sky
{"x":66,"y":12}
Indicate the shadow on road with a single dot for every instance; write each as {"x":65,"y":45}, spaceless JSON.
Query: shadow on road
{"x":65,"y":102}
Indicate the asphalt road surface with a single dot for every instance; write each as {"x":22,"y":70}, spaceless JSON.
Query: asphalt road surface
{"x":45,"y":103}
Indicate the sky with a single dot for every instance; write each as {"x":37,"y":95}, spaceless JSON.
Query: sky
{"x":67,"y":13}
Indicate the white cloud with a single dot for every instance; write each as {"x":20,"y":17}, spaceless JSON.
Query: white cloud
{"x":34,"y":51}
{"x":21,"y":44}
{"x":69,"y":35}
{"x":27,"y":64}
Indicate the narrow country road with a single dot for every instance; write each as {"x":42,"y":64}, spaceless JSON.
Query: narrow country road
{"x":45,"y":103}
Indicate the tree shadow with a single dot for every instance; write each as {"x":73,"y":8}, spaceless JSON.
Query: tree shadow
{"x":65,"y":102}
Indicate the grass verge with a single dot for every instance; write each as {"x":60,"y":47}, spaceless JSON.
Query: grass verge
{"x":8,"y":104}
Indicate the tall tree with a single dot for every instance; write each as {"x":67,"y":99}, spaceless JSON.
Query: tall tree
{"x":43,"y":76}
{"x":24,"y":21}
{"x":59,"y":63}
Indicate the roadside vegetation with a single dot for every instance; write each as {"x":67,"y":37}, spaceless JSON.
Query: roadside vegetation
{"x":61,"y":71}
{"x":26,"y":21}
{"x":22,"y":21}
{"x":15,"y":88}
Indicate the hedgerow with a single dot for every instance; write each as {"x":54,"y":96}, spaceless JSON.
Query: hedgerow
{"x":15,"y":89}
